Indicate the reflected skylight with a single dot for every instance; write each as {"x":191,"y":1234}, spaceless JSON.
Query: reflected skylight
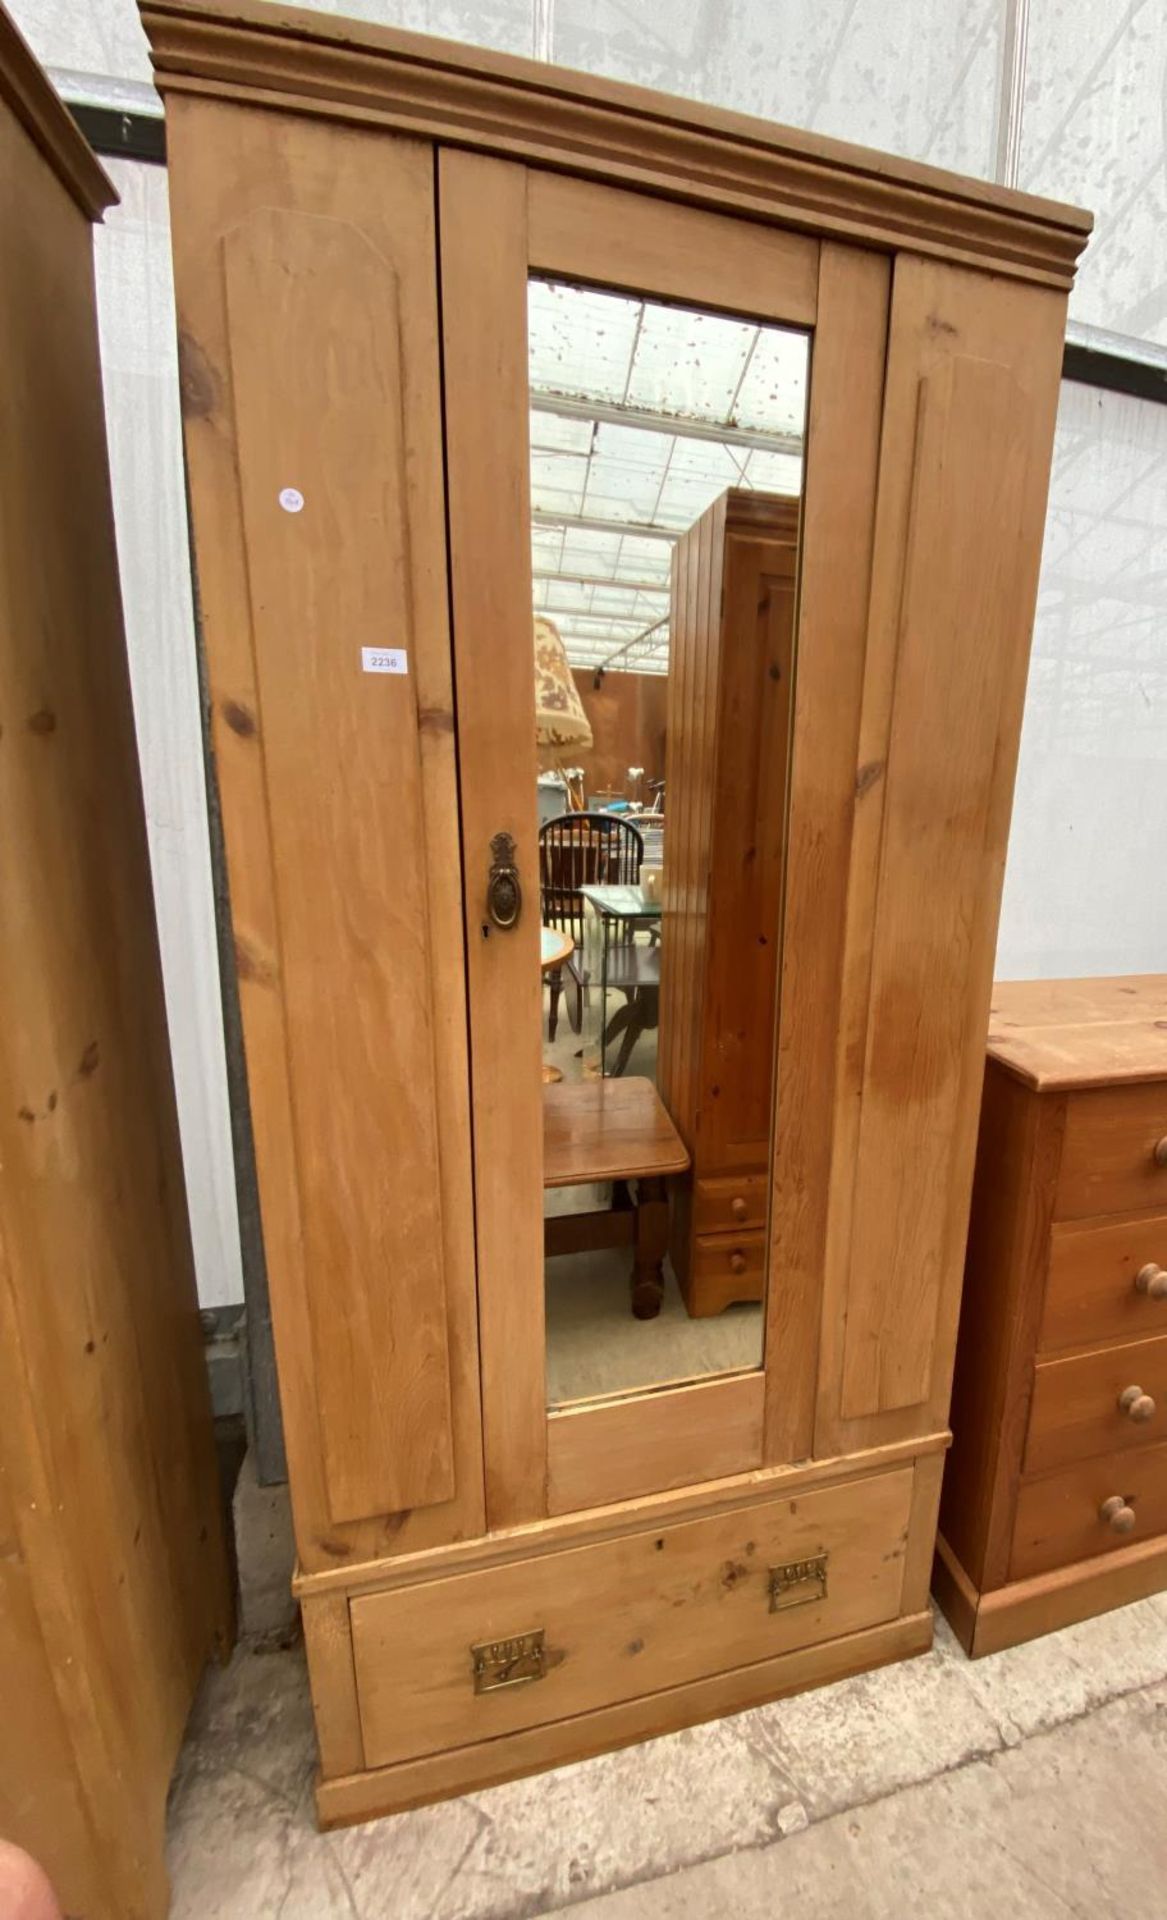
{"x":641,"y":415}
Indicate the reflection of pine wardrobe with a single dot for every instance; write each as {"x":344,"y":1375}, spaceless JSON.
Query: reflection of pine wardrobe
{"x":488,"y":1587}
{"x":731,"y":674}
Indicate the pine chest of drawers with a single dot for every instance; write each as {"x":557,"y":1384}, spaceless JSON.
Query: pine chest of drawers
{"x":1055,"y":1494}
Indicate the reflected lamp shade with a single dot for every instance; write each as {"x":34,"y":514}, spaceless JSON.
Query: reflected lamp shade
{"x":560,"y":720}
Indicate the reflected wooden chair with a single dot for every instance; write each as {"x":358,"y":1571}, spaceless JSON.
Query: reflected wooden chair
{"x":581,"y":850}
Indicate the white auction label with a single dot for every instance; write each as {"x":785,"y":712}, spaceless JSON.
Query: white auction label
{"x":384,"y":660}
{"x":291,"y":499}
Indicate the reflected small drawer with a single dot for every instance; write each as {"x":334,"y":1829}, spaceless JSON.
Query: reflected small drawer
{"x":1092,"y":1508}
{"x":730,"y":1202}
{"x":1106,"y":1282}
{"x":1114,"y":1157}
{"x":1096,"y":1403}
{"x":731,"y":1266}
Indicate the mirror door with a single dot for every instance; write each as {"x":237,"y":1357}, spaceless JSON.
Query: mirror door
{"x":629,"y":451}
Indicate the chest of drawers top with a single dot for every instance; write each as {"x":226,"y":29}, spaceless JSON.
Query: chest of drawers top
{"x":1060,"y":1035}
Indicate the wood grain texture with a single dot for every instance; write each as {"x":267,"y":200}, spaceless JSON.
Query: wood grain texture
{"x":328,"y":1643}
{"x":596,"y":1130}
{"x":1108,"y":1165}
{"x":1091,"y":1294}
{"x":1004,"y":1284}
{"x":694,"y":650}
{"x":1053,"y":1330}
{"x":226,"y":168}
{"x":611,"y":1522}
{"x":1058,"y":1514}
{"x":731,"y":1203}
{"x":762,"y":273}
{"x":315,"y":339}
{"x":832,"y":788}
{"x":731,"y":678}
{"x":277,"y":55}
{"x":393,"y":1789}
{"x":484,"y":335}
{"x":1024,"y":1609}
{"x":631,"y":1616}
{"x":676,"y":1437}
{"x":1076,"y":1411}
{"x":1056,"y":1034}
{"x":114,"y":1586}
{"x":972,"y":463}
{"x":968,"y":424}
{"x":921,"y":1544}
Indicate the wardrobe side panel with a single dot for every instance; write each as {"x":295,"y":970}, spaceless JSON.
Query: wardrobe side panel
{"x":307,"y":296}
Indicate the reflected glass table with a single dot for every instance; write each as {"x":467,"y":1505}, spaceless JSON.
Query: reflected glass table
{"x":615,"y":959}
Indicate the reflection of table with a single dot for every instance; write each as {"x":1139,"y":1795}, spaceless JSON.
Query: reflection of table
{"x":631,"y":969}
{"x":617,"y":1130}
{"x":555,"y":947}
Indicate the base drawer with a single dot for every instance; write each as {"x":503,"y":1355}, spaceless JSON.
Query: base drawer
{"x":1098,"y":1402}
{"x":730,"y":1203}
{"x":1093,"y":1292}
{"x":1061,"y":1517}
{"x":624,"y":1617}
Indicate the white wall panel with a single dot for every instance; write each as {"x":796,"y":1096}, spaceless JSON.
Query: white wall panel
{"x":914,"y":77}
{"x":96,"y":49}
{"x":139,"y":366}
{"x":1094,"y":130}
{"x":1086,"y":879}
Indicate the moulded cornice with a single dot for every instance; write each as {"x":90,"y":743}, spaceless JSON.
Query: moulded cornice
{"x":304,"y":62}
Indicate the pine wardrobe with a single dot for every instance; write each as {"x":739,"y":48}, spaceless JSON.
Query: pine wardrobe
{"x":413,"y":281}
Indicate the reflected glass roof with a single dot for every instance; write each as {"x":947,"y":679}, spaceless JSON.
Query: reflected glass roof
{"x":641,"y":415}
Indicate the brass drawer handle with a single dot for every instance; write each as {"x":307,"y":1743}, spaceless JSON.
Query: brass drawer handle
{"x":1152,"y":1280}
{"x":1159,"y":1152}
{"x":509,"y":1663}
{"x":1118,"y":1516}
{"x":1136,"y":1404}
{"x":799,"y":1583}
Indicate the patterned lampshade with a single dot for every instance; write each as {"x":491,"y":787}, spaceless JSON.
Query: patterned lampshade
{"x":560,"y":720}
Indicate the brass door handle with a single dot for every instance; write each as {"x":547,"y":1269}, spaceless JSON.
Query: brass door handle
{"x":504,"y":894}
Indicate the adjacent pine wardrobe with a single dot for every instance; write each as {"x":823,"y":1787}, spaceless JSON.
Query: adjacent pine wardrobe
{"x":524,"y":1537}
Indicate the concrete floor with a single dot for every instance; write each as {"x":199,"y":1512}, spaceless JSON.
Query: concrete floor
{"x":1033,"y":1783}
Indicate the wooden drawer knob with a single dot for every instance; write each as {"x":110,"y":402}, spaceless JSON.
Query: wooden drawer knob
{"x":1152,"y":1280}
{"x":737,"y":1262}
{"x":738,"y":1207}
{"x":1136,"y":1404}
{"x":1118,"y":1516}
{"x":1159,"y":1152}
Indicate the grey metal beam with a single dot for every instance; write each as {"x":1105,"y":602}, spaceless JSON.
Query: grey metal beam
{"x":619,"y":413}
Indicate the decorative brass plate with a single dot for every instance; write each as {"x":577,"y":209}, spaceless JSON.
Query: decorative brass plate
{"x":798,"y":1583}
{"x":504,"y":894}
{"x":509,"y":1663}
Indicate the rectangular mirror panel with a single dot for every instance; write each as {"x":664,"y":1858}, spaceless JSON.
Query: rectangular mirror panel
{"x":666,"y":477}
